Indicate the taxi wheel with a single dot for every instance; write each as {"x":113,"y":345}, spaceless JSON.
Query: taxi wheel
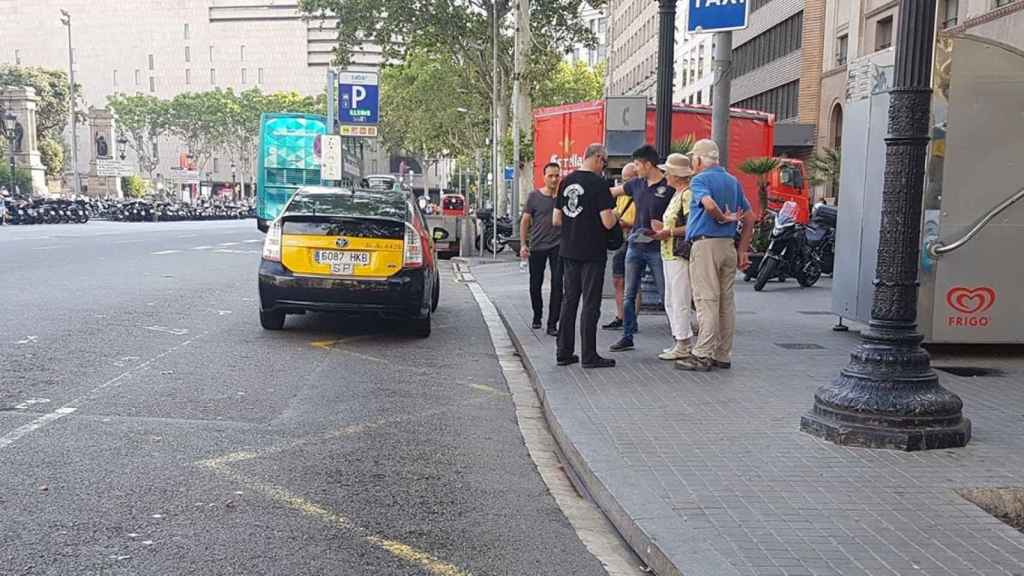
{"x":272,"y":319}
{"x":421,"y":327}
{"x":435,"y":297}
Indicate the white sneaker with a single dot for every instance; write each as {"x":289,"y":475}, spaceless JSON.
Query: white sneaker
{"x":678,"y":352}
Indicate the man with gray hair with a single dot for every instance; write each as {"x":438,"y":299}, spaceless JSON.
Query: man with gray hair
{"x":584,"y":210}
{"x":717,"y":205}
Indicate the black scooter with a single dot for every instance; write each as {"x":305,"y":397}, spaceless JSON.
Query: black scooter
{"x":788,"y":254}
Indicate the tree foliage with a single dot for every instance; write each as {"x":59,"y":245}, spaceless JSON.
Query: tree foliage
{"x":53,"y":89}
{"x":760,"y":168}
{"x":141,"y":120}
{"x":51,"y":153}
{"x":569,"y":83}
{"x":134,"y":186}
{"x":824,"y":168}
{"x":22,"y":179}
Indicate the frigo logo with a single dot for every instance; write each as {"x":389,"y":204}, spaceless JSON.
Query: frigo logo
{"x":970,"y":306}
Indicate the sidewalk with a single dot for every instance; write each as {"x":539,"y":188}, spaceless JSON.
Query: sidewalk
{"x":708,"y":474}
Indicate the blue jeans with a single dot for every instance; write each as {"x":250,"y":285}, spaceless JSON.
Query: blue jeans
{"x":638,"y":256}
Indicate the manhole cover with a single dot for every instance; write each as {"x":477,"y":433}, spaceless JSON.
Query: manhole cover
{"x":799,"y":346}
{"x":814,"y":312}
{"x":970,"y":371}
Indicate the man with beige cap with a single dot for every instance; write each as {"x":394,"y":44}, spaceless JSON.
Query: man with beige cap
{"x":717,"y":205}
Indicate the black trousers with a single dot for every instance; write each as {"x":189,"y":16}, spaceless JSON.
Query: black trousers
{"x":539,"y":260}
{"x":582,"y":280}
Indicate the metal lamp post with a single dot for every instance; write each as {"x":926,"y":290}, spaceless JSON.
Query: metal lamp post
{"x":234,"y":181}
{"x":888,"y":396}
{"x":666,"y":63}
{"x":122,"y":145}
{"x":65,"y":19}
{"x":9,"y":121}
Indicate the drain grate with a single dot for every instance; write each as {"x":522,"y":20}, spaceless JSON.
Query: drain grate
{"x":815,"y":312}
{"x":971,"y":371}
{"x":799,"y":346}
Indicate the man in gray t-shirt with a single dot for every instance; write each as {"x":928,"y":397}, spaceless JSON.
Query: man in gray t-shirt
{"x":540,"y":241}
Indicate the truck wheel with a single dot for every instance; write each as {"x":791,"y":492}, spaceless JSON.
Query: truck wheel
{"x":765,"y":272}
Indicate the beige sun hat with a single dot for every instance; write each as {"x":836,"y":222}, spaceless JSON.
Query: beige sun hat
{"x":677,"y":165}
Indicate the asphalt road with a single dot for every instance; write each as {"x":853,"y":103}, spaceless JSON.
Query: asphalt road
{"x":149,"y":426}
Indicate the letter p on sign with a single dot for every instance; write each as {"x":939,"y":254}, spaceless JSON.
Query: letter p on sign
{"x":358,"y":95}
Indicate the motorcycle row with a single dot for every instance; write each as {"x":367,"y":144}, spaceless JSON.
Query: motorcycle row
{"x":63,"y":211}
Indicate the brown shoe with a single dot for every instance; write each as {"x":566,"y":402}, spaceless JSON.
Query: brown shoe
{"x":694,"y":364}
{"x":721,"y":365}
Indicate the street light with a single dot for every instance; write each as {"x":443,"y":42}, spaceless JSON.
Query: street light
{"x":122,"y":144}
{"x":889,"y":396}
{"x":9,"y":121}
{"x":65,"y":19}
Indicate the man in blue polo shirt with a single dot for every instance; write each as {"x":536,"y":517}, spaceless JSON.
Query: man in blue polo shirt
{"x":651,"y":195}
{"x":717,"y":205}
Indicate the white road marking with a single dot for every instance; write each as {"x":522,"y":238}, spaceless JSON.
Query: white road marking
{"x":48,"y":247}
{"x":24,"y":405}
{"x":72,"y":406}
{"x":162,"y":252}
{"x":253,"y":241}
{"x":202,"y":247}
{"x":29,"y":340}
{"x":16,"y":434}
{"x":166,"y":330}
{"x":189,"y":236}
{"x":229,"y":243}
{"x":128,"y":242}
{"x":233,"y":251}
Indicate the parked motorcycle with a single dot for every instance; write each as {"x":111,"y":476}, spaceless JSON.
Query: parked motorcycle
{"x":821,"y":236}
{"x":789,"y":254}
{"x":505,"y":230}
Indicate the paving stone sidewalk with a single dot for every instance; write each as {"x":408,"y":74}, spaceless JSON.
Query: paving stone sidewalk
{"x":708,"y":474}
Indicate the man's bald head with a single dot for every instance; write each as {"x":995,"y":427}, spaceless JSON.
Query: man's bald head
{"x":628,"y":172}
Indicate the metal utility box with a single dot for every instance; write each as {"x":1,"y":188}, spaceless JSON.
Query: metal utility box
{"x":972,"y":294}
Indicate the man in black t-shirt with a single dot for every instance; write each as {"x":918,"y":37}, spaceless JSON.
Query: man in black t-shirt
{"x":585,"y":212}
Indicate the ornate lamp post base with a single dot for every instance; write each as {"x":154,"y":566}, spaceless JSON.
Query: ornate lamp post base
{"x":888,"y":397}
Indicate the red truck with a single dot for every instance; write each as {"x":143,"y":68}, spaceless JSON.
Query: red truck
{"x":562,"y":133}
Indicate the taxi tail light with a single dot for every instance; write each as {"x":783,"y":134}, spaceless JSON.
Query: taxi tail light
{"x":413,"y":257}
{"x":272,"y":244}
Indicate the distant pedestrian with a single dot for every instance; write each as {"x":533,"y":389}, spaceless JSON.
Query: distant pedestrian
{"x":540,"y":241}
{"x":677,"y":271}
{"x":718,"y":204}
{"x":584,"y":211}
{"x":651,"y":194}
{"x":626,"y":211}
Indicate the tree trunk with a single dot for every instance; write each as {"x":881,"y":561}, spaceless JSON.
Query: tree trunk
{"x":525,"y":104}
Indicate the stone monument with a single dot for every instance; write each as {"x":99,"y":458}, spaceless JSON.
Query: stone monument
{"x":21,"y":100}
{"x":102,"y":145}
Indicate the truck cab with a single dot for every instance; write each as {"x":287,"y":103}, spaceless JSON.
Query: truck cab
{"x":789,"y":183}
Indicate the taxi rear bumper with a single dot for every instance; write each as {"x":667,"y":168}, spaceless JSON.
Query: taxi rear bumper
{"x":403,"y":295}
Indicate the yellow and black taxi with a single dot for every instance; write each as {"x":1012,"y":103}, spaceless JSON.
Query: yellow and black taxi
{"x":341,"y":250}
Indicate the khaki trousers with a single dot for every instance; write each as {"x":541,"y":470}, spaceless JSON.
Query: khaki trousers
{"x":713,"y":277}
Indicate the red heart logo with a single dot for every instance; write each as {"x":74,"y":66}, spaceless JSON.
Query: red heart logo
{"x":971,"y":300}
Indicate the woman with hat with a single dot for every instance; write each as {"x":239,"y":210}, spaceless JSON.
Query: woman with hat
{"x":677,"y":278}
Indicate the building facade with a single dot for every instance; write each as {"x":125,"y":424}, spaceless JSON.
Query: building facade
{"x":859,"y":28}
{"x":597,"y":22}
{"x":633,"y":47}
{"x":167,"y":48}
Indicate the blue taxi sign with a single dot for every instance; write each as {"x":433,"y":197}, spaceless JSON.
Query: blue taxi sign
{"x":717,"y":15}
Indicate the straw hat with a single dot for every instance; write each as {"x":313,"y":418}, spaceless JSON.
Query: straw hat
{"x":677,"y":165}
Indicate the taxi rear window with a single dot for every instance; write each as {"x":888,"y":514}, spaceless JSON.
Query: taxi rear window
{"x":342,"y":226}
{"x":350,"y":204}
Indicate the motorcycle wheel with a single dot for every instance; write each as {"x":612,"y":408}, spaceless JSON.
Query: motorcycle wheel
{"x":765,"y":272}
{"x":811,"y":275}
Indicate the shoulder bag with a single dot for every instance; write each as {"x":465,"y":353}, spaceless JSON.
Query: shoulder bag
{"x":615,"y":238}
{"x":680,"y":245}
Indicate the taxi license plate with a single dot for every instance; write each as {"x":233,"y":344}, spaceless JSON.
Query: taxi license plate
{"x":342,"y":262}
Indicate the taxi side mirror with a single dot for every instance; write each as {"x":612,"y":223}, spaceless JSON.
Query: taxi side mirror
{"x":440,"y":234}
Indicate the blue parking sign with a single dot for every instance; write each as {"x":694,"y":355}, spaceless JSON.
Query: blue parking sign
{"x":716,"y":15}
{"x":358,"y":98}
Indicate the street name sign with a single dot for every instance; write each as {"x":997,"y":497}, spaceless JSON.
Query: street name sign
{"x":181,"y":176}
{"x":717,"y":15}
{"x":112,"y":167}
{"x":358,"y":104}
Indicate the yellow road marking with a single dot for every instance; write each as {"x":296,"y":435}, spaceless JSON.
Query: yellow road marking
{"x":488,"y":389}
{"x":282,"y":496}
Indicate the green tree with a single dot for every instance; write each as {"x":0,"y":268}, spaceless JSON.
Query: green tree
{"x":22,"y":179}
{"x":51,"y":154}
{"x":569,"y":83}
{"x":135,"y":186}
{"x":142,"y":120}
{"x":202,"y":120}
{"x":53,"y":89}
{"x":824,"y":168}
{"x":760,"y":168}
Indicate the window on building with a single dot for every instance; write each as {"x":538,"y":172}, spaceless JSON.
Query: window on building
{"x":213,"y":76}
{"x":186,"y":30}
{"x":138,"y":77}
{"x":700,"y":96}
{"x":772,"y":44}
{"x":211,"y":52}
{"x":241,"y":53}
{"x":783,"y":101}
{"x":883,"y":33}
{"x":949,"y":10}
{"x":188,"y":54}
{"x":17,"y":57}
{"x":152,"y":84}
{"x":1001,"y":3}
{"x":842,"y":45}
{"x":115,"y":78}
{"x":259,"y":76}
{"x":152,"y":62}
{"x":188,"y":76}
{"x":245,"y":79}
{"x":216,"y":164}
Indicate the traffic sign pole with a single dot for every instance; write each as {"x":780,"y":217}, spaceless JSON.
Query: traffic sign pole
{"x":722,"y":93}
